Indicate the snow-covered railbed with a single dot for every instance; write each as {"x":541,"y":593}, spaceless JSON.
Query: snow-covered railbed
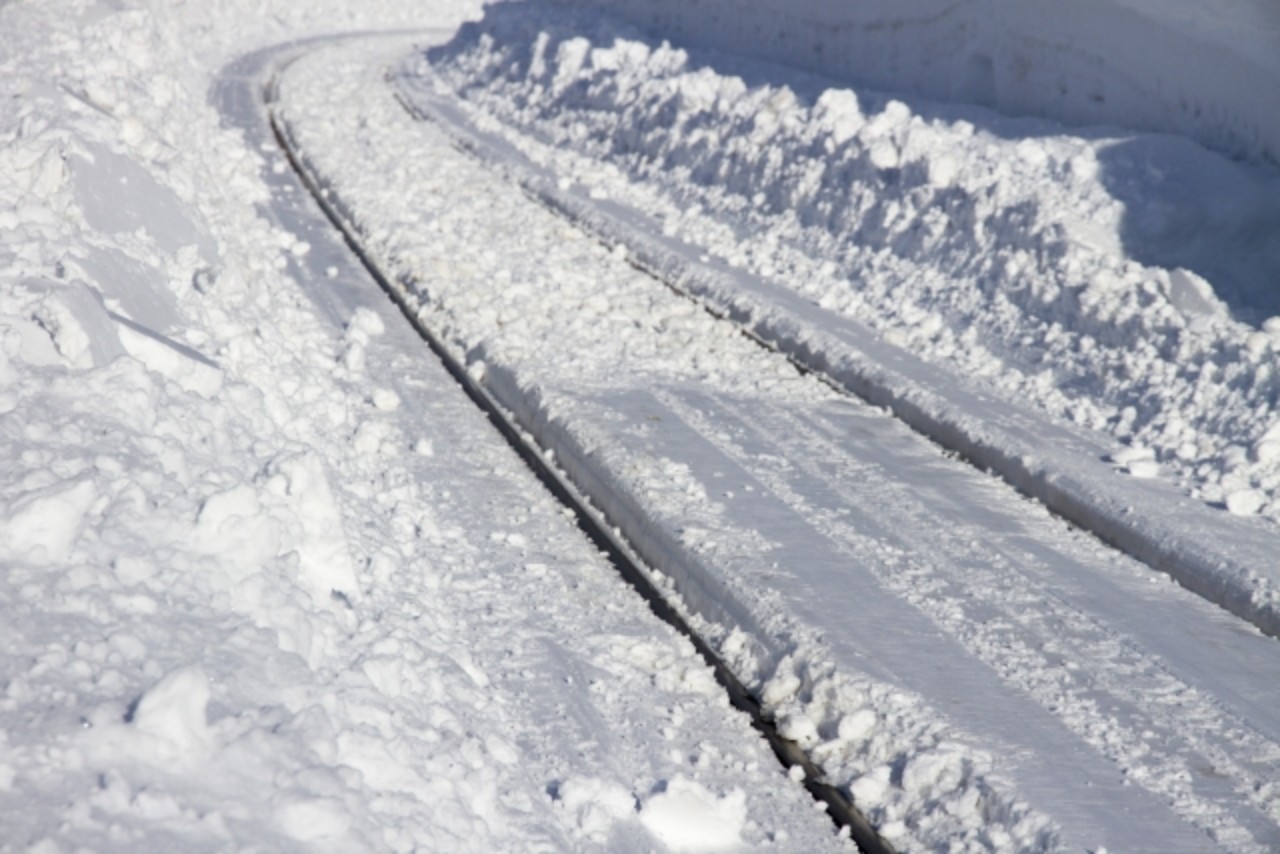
{"x":269,"y":581}
{"x":976,"y":673}
{"x":1073,"y":471}
{"x":1039,"y":346}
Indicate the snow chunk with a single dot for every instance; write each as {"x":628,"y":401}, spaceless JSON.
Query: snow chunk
{"x":1267,"y":450}
{"x":364,"y":326}
{"x":595,"y":805}
{"x":42,"y":527}
{"x":174,"y":709}
{"x":685,"y":816}
{"x":232,"y":524}
{"x":1144,"y":468}
{"x":324,"y":565}
{"x":386,"y":400}
{"x":172,"y":360}
{"x":838,"y":110}
{"x":71,"y":318}
{"x":1139,"y":461}
{"x":315,"y":819}
{"x":1246,"y":502}
{"x":1193,"y":296}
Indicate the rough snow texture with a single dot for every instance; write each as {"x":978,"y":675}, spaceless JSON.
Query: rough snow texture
{"x":764,"y":497}
{"x":538,"y":280}
{"x":266,"y":583}
{"x":1211,"y":72}
{"x":267,"y":579}
{"x":1125,"y":283}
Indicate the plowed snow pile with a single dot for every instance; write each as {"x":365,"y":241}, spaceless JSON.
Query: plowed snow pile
{"x":1129,"y":283}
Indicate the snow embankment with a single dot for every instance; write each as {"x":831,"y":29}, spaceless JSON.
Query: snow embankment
{"x":1091,"y":276}
{"x":1207,"y":71}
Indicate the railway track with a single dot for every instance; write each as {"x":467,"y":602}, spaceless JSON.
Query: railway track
{"x":847,"y":580}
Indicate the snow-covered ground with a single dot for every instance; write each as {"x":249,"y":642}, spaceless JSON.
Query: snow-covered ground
{"x":1123,"y":282}
{"x":271,"y":580}
{"x":766,"y":498}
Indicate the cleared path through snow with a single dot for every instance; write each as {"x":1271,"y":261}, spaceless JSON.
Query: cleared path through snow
{"x":1228,"y":560}
{"x":521,"y":696}
{"x":966,"y":664}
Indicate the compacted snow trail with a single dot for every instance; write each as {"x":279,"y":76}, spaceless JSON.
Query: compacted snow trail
{"x":976,"y":673}
{"x":1073,"y":471}
{"x":1227,"y":560}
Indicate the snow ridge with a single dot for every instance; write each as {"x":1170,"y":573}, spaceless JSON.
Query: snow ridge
{"x":1060,"y":269}
{"x":1139,"y":514}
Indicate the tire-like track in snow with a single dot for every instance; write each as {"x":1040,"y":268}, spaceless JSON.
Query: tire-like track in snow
{"x":594,"y":526}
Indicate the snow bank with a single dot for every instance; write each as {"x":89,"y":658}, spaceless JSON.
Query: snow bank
{"x":1209,"y":71}
{"x":1103,"y":278}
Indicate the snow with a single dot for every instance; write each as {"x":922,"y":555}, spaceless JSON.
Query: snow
{"x":1090,"y":362}
{"x":843,"y":568}
{"x":251,"y":599}
{"x":270,"y":580}
{"x":686,"y":817}
{"x":941,"y":226}
{"x":173,"y":711}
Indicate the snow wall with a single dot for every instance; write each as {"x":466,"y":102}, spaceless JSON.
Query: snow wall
{"x":1208,"y":70}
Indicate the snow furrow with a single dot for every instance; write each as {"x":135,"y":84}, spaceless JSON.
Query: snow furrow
{"x":967,"y":667}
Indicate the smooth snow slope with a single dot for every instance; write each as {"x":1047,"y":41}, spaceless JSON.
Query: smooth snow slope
{"x":1210,"y":71}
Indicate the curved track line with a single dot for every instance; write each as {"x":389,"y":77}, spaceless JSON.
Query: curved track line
{"x":1226,"y":560}
{"x":525,"y":440}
